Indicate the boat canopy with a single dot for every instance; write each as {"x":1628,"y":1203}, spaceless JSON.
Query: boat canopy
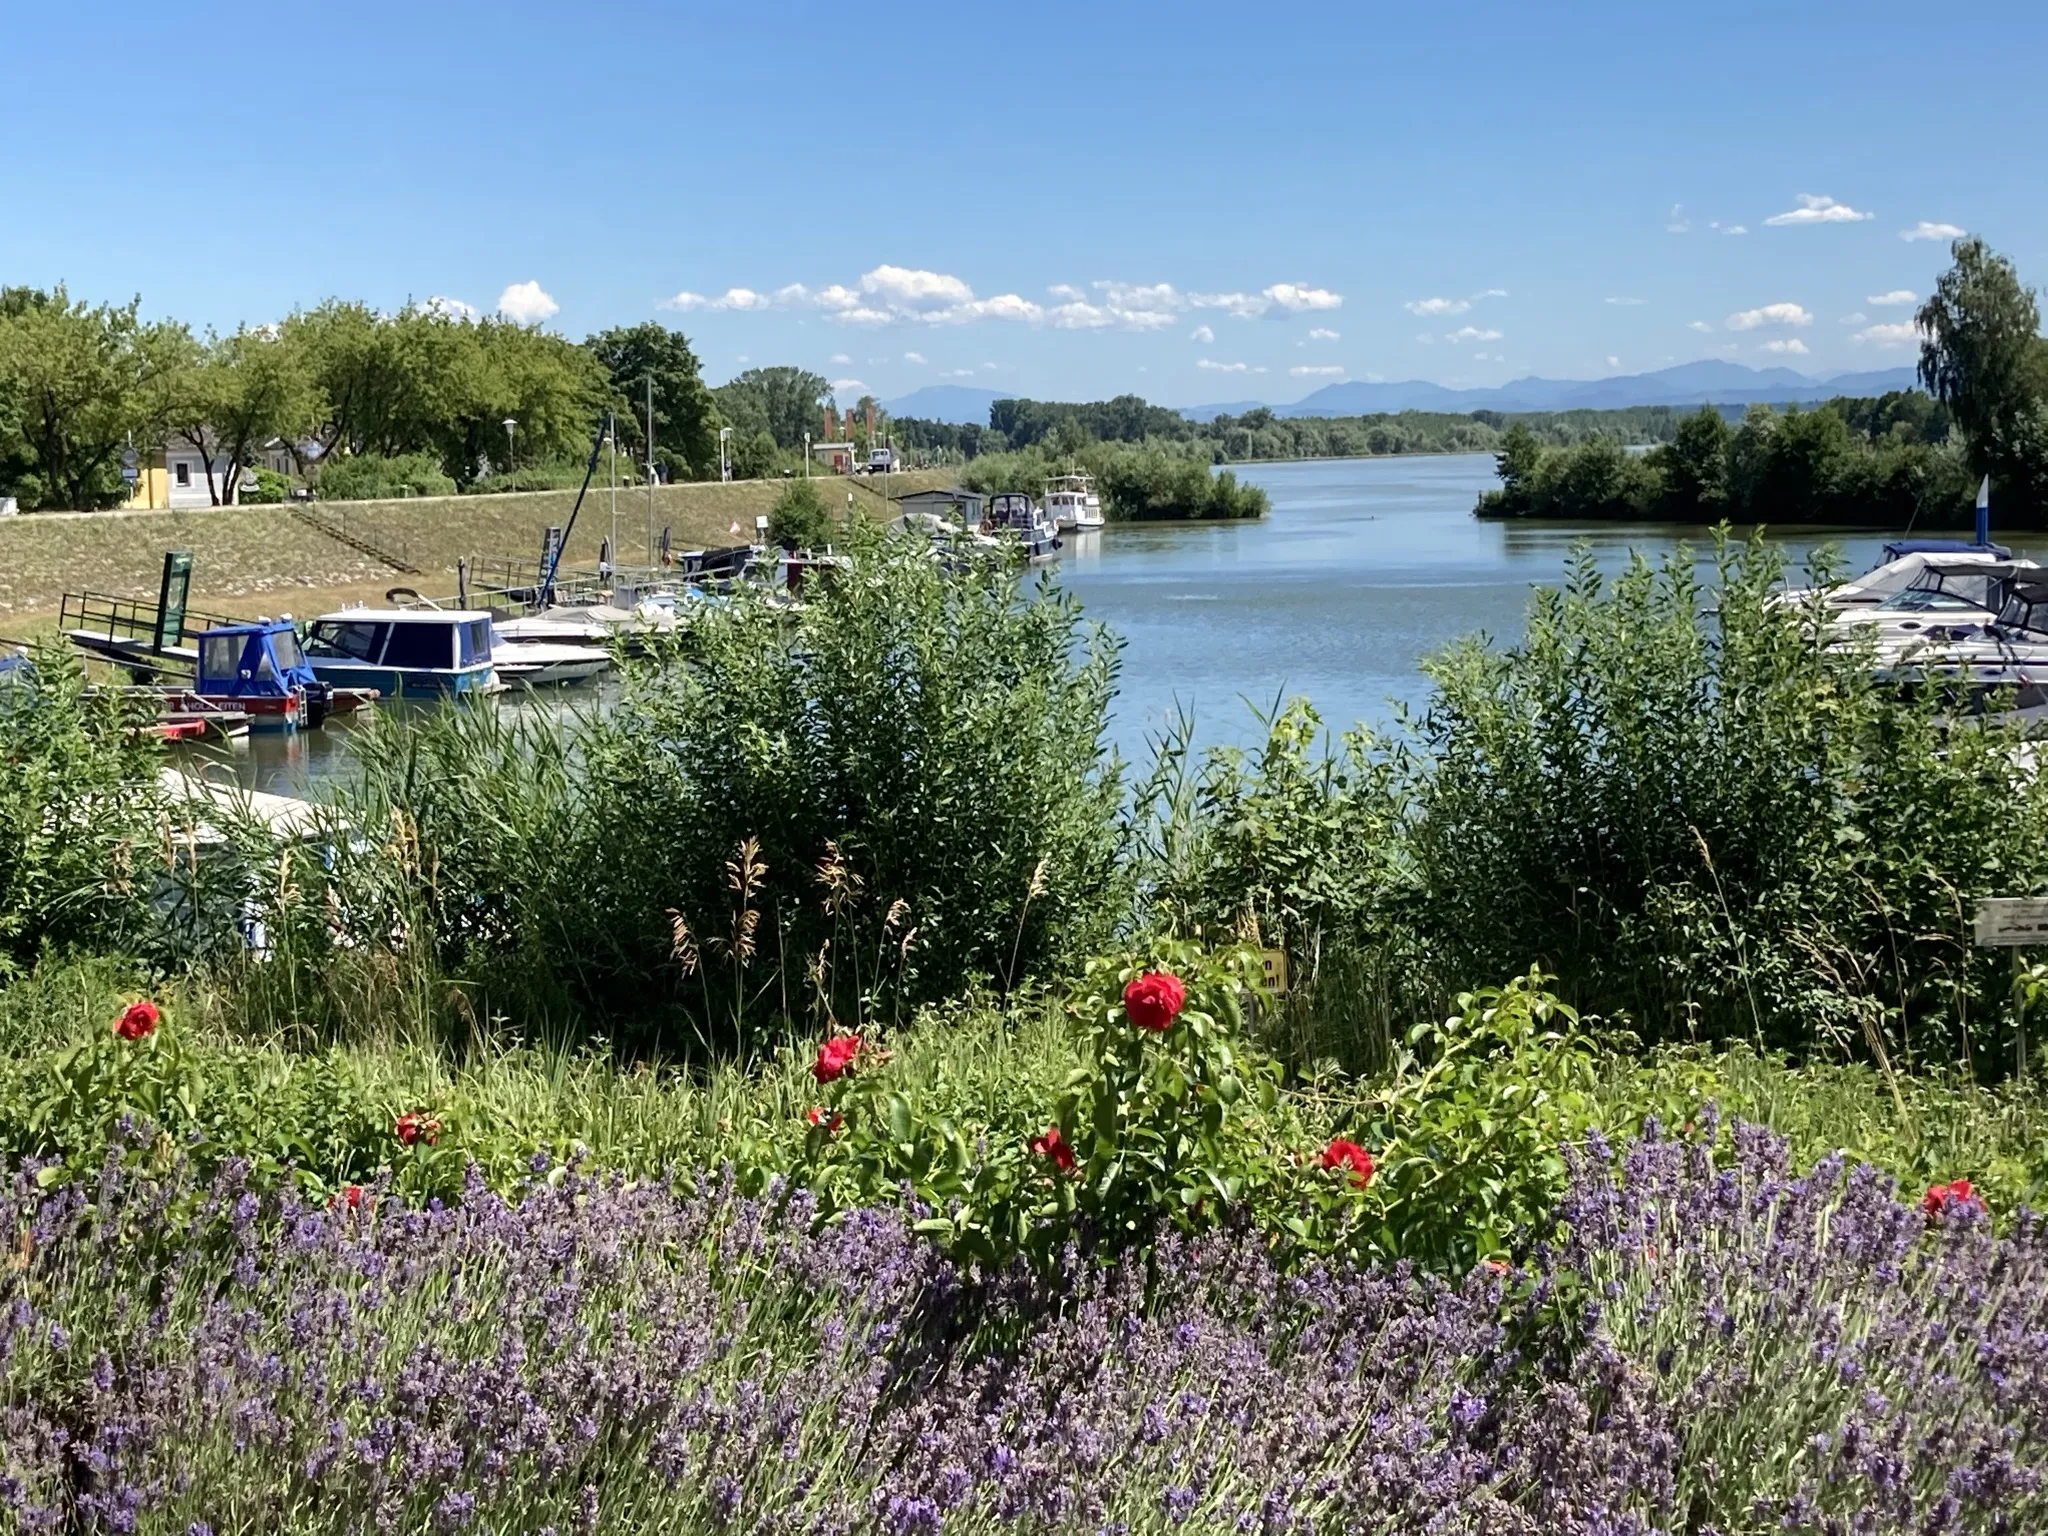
{"x":1898,"y":549}
{"x":258,"y":660}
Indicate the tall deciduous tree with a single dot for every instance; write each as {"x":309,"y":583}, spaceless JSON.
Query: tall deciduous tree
{"x":1984,"y":358}
{"x":81,"y":381}
{"x":686,"y":419}
{"x":780,"y":401}
{"x":236,"y":394}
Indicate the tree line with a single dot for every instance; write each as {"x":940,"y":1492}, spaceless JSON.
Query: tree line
{"x":1063,"y":428}
{"x":1903,"y":459}
{"x":366,"y":403}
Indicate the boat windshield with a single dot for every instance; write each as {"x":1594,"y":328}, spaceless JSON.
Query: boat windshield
{"x":1928,"y":600}
{"x":473,"y":642}
{"x":420,"y":646}
{"x":286,"y":645}
{"x":357,"y":642}
{"x":220,"y":657}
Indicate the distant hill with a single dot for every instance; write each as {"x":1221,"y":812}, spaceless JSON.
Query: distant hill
{"x":1709,"y":382}
{"x":946,"y":402}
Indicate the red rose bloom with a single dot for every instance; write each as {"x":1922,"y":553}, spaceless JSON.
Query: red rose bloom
{"x":415,"y":1127}
{"x":1154,"y":1000}
{"x":1956,"y":1195}
{"x":815,"y":1116}
{"x":137,"y":1020}
{"x":1053,"y":1145}
{"x":835,"y":1058}
{"x":350,"y":1197}
{"x":1349,"y":1154}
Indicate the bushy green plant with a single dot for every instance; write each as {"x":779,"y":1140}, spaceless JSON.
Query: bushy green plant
{"x":374,"y":477}
{"x":799,"y":520}
{"x":84,"y":832}
{"x":264,"y":487}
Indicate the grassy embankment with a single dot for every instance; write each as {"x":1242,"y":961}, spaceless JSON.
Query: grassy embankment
{"x":250,"y":560}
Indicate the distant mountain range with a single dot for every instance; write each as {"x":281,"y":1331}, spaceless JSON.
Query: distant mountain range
{"x":1710,"y":382}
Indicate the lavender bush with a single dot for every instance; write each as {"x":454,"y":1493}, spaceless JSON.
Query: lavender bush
{"x":1744,"y":1351}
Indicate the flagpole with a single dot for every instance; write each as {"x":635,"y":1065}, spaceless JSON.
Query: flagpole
{"x":1984,"y":512}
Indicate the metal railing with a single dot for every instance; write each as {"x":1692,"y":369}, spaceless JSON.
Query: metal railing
{"x":126,"y":618}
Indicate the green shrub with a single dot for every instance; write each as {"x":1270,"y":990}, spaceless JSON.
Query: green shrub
{"x":263,"y":487}
{"x":372,"y":477}
{"x":799,"y":519}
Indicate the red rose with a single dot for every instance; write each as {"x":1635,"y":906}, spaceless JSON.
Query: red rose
{"x":415,"y":1127}
{"x":1349,"y":1154}
{"x":1154,"y":1000}
{"x":835,"y":1058}
{"x":816,"y":1116}
{"x":1956,"y":1195}
{"x":1053,"y":1145}
{"x":350,"y":1197}
{"x":137,"y":1020}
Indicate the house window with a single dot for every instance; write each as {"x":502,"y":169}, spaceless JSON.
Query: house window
{"x":184,"y":473}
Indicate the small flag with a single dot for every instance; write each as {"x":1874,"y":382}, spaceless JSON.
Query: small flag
{"x":735,"y":528}
{"x":1984,"y":511}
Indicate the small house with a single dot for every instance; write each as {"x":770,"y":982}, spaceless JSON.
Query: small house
{"x":962,"y":507}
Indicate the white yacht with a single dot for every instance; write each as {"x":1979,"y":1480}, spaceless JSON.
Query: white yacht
{"x":1952,"y":597}
{"x":1904,"y":560}
{"x":1071,"y":503}
{"x":2003,"y":661}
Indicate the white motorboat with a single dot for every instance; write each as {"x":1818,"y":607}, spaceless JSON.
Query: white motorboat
{"x":541,"y":661}
{"x":1071,"y":503}
{"x":1016,"y":518}
{"x":1950,"y":598}
{"x":2001,"y":664}
{"x":1903,"y":563}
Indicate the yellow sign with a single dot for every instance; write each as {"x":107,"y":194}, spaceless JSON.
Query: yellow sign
{"x":1276,"y":970}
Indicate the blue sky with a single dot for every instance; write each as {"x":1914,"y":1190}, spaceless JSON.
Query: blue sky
{"x":1194,"y":202}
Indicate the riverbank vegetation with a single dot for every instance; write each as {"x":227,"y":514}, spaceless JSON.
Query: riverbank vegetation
{"x":1906,"y":460}
{"x":831,"y":1090}
{"x":1148,"y":482}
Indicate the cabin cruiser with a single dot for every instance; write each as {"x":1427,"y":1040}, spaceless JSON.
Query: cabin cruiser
{"x":1950,"y":598}
{"x":547,"y":661}
{"x":2002,"y":663}
{"x":1017,"y":519}
{"x":404,"y":651}
{"x":1071,"y":503}
{"x":1904,"y":561}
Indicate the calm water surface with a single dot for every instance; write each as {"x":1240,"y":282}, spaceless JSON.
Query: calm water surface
{"x":1364,"y":567}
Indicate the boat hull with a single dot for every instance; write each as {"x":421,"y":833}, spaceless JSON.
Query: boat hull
{"x":405,"y":682}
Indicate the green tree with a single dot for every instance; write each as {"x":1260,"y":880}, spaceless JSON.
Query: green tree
{"x":1694,"y":466}
{"x":686,"y":419}
{"x":753,"y":455}
{"x":783,"y":402}
{"x":799,"y":519}
{"x":237,"y":393}
{"x":1983,"y":356}
{"x":347,"y":349}
{"x":80,"y":383}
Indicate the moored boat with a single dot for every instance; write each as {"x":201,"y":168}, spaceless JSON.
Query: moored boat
{"x":1016,"y":518}
{"x":1072,"y":504}
{"x":404,"y":652}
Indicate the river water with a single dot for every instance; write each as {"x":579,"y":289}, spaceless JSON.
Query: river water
{"x":1364,"y":567}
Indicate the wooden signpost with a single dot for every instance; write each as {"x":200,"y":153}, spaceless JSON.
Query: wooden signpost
{"x":2012,"y":922}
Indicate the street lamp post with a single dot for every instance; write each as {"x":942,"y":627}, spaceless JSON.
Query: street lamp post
{"x":509,"y":425}
{"x":807,"y":455}
{"x":724,"y":464}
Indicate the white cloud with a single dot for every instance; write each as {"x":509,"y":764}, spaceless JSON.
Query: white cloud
{"x":1429,"y":308}
{"x":916,"y":288}
{"x":1323,"y":333}
{"x":1298,"y":298}
{"x":1613,"y":362}
{"x":1854,"y":317}
{"x":1675,"y":221}
{"x":913,"y":357}
{"x":1491,"y":293}
{"x":741,"y":357}
{"x":527,"y":304}
{"x":1819,"y":210}
{"x":841,"y":358}
{"x":1902,"y":334}
{"x":989,"y":367}
{"x":1926,"y":230}
{"x":1699,"y":325}
{"x":1896,"y":296}
{"x":1203,"y":334}
{"x":1769,"y":314}
{"x":732,"y":298}
{"x":1791,"y":346}
{"x":1728,"y":229}
{"x":1210,"y":365}
{"x":1628,"y":303}
{"x":957,"y":373}
{"x":1466,"y":333}
{"x":1307,"y":372}
{"x":847,"y":386}
{"x":1425,"y":338}
{"x":449,"y":309}
{"x":1066,"y":291}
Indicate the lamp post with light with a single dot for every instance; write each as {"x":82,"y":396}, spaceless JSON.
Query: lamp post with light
{"x":724,"y":464}
{"x":509,"y":425}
